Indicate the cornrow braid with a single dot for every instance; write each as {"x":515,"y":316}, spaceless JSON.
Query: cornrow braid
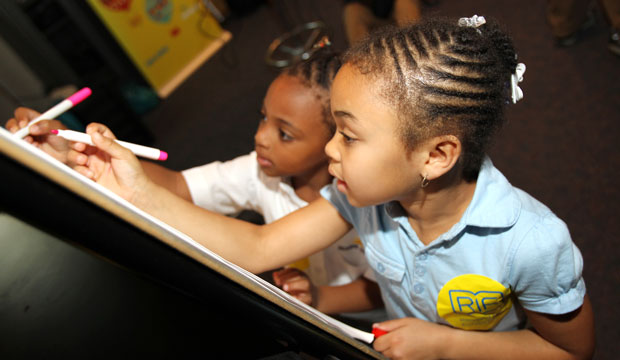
{"x":318,"y":73}
{"x":443,"y":79}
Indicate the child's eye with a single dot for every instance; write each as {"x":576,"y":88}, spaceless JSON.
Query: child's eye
{"x":347,"y":138}
{"x":284,"y":136}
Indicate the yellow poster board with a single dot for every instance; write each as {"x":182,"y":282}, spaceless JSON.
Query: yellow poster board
{"x":166,"y":39}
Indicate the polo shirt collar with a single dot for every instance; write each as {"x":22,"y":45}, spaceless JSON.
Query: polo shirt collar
{"x":495,"y":203}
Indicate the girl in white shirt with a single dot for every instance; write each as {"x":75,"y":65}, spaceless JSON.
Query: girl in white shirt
{"x":284,"y":173}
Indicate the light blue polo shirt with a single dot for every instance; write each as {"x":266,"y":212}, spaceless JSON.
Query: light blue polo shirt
{"x":508,"y":251}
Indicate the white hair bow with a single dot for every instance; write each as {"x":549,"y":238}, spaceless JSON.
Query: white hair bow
{"x":473,"y":21}
{"x":515,"y":79}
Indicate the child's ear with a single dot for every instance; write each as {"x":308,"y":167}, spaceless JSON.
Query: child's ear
{"x":444,"y":152}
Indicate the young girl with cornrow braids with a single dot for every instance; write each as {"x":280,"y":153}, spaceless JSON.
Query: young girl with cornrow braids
{"x":469,"y":266}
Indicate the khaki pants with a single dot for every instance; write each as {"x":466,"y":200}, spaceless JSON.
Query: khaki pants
{"x":566,"y":16}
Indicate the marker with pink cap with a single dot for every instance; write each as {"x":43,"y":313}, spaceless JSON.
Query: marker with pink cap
{"x":138,"y":150}
{"x":56,"y":110}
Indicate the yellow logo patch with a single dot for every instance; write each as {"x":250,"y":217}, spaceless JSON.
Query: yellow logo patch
{"x":473,"y":302}
{"x":302,"y":264}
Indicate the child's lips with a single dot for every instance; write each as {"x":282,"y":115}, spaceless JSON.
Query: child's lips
{"x":340,"y":184}
{"x":264,"y":162}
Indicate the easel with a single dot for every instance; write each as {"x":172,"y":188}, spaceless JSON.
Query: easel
{"x":141,"y":245}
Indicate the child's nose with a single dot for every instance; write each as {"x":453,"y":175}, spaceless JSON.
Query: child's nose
{"x":330,"y":149}
{"x":261,"y":137}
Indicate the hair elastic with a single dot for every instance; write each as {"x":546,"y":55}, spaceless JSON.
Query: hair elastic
{"x":474,"y":21}
{"x":322,"y":42}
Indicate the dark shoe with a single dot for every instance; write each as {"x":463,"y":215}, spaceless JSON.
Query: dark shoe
{"x":614,"y":43}
{"x":569,"y":40}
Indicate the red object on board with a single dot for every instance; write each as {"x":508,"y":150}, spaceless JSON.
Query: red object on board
{"x":378,"y":332}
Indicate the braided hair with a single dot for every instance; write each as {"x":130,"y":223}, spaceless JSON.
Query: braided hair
{"x":318,"y":73}
{"x":443,"y":79}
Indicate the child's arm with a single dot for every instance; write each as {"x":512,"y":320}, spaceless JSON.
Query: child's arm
{"x":253,"y":247}
{"x":256,"y":248}
{"x":568,"y":336}
{"x":361,"y":294}
{"x":170,"y":179}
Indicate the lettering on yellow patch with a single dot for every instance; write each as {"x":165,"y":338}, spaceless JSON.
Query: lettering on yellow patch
{"x":473,"y":302}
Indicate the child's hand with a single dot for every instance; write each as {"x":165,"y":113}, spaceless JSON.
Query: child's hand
{"x":410,"y":338}
{"x":110,"y":164}
{"x":296,"y":283}
{"x":40,"y":134}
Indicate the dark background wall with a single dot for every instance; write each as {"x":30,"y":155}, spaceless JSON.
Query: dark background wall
{"x":560,"y":145}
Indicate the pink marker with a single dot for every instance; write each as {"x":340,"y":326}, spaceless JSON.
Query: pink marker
{"x":138,"y":150}
{"x":55,"y":111}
